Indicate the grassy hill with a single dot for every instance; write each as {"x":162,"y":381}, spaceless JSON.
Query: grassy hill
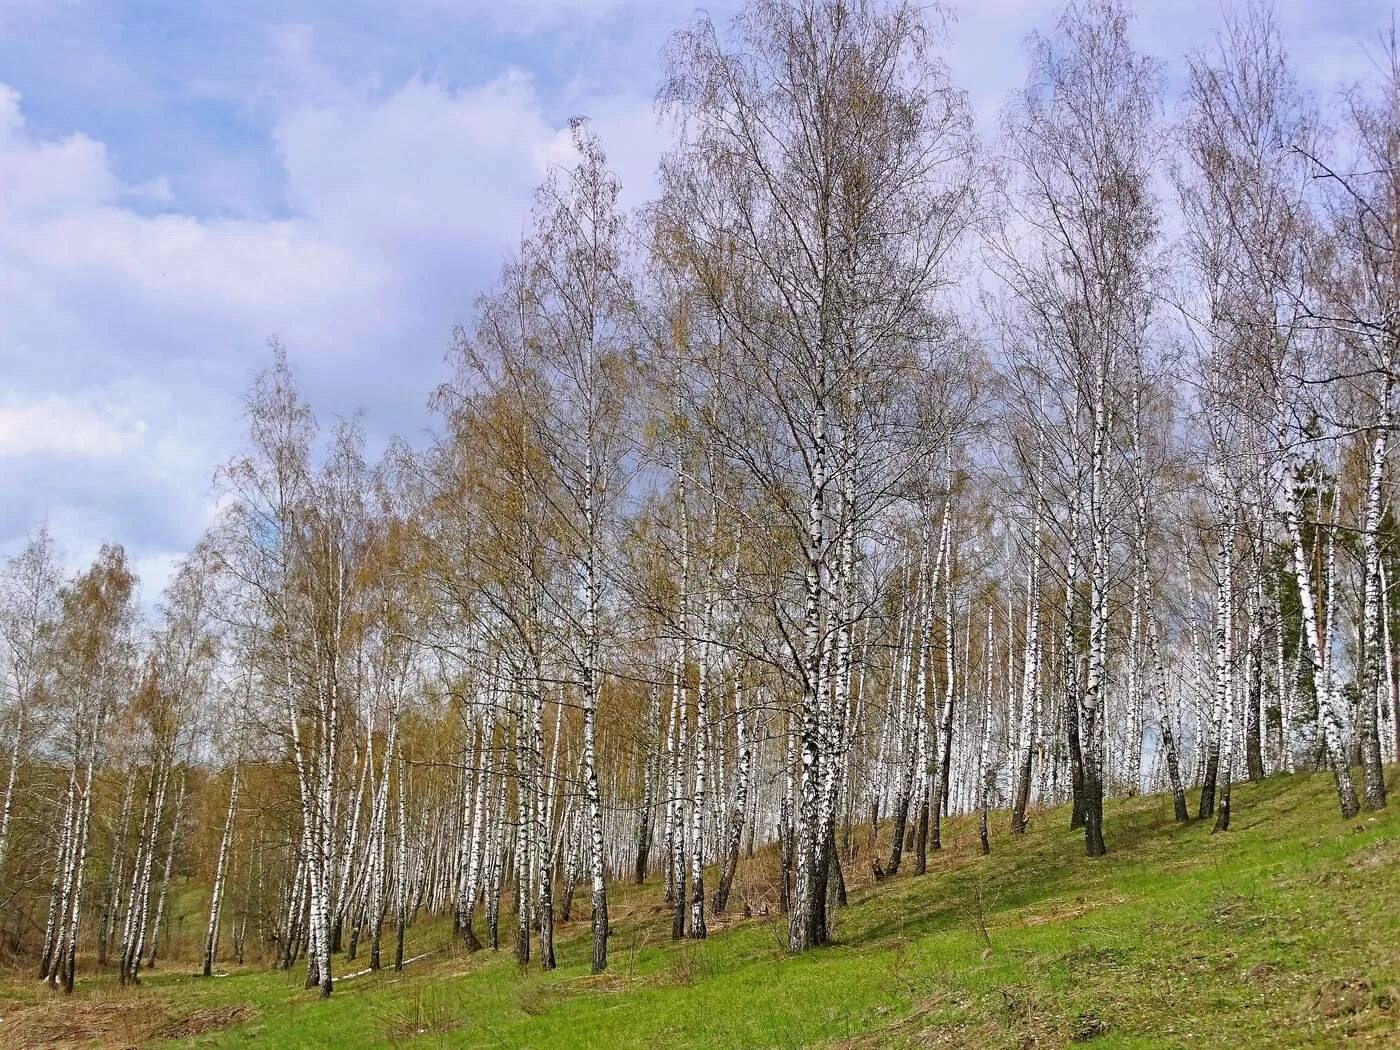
{"x":1283,"y":932}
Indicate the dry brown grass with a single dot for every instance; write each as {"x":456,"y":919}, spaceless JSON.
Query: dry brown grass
{"x":62,"y":1023}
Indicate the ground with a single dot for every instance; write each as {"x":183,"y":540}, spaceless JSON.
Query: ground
{"x":1282,"y":932}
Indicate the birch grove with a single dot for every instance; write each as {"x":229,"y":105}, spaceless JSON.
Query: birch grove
{"x":872,"y":475}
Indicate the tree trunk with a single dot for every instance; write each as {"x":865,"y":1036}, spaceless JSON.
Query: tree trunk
{"x":165,"y":877}
{"x":216,"y":897}
{"x":740,"y":804}
{"x":1331,"y":729}
{"x":1367,"y":726}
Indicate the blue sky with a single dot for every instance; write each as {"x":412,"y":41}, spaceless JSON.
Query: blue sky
{"x":181,"y":181}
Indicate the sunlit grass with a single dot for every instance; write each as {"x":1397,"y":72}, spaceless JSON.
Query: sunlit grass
{"x":1282,"y":932}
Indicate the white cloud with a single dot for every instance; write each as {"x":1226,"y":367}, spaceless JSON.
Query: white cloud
{"x":130,"y":336}
{"x":128,"y":463}
{"x":60,"y":425}
{"x":155,"y":191}
{"x":436,"y":164}
{"x":530,"y":16}
{"x":423,"y":162}
{"x":37,"y":177}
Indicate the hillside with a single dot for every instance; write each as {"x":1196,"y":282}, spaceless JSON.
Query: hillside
{"x":1283,"y":932}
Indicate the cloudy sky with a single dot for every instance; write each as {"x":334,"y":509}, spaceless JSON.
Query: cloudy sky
{"x":180,"y":181}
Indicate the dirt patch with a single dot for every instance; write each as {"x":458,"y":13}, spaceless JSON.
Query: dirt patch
{"x":1014,"y":1017}
{"x":1091,"y":959}
{"x":1343,"y":997}
{"x":1079,"y":908}
{"x":1381,"y":854}
{"x":1189,"y":864}
{"x":1087,"y":1026}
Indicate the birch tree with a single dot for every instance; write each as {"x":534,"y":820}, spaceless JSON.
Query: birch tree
{"x":94,"y":670}
{"x":820,"y":182}
{"x":1076,"y":255}
{"x":28,"y":610}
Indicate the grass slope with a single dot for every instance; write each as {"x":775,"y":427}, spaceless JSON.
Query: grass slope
{"x":1283,"y":932}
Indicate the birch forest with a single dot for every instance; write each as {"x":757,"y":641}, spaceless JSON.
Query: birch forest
{"x":876,"y":473}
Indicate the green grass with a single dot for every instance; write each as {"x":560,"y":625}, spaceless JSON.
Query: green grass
{"x":1283,"y":932}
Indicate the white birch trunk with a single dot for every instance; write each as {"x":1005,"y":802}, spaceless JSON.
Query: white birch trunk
{"x":1313,"y":637}
{"x":216,"y":897}
{"x":165,"y":877}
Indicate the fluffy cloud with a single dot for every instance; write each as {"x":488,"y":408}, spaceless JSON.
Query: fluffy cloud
{"x":123,"y":463}
{"x":431,"y":165}
{"x":131,"y":331}
{"x":44,"y":177}
{"x":62,"y":426}
{"x":424,"y":163}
